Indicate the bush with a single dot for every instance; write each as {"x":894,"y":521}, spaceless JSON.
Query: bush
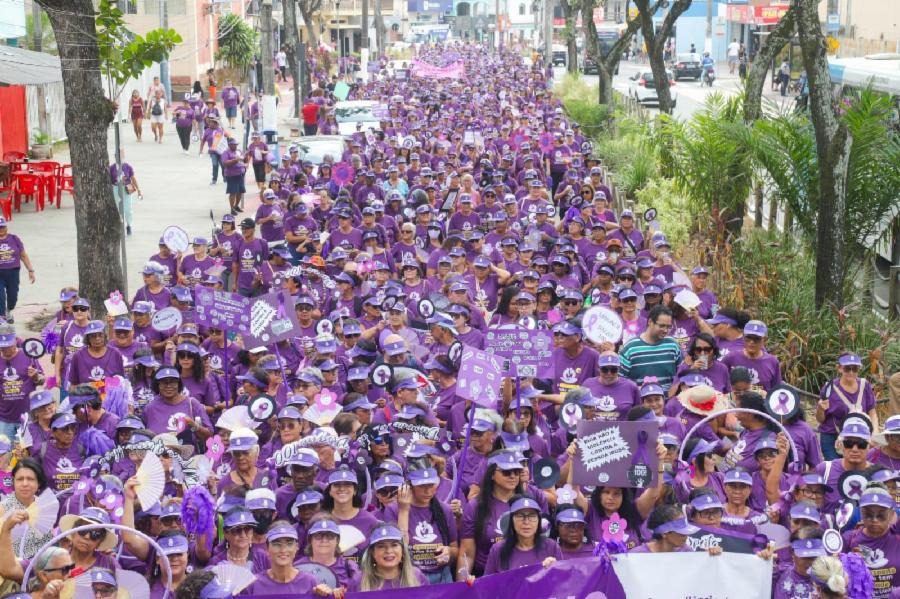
{"x":580,"y":103}
{"x":671,"y":207}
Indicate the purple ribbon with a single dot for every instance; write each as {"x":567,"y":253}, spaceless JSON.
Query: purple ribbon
{"x":640,"y":455}
{"x":856,"y":489}
{"x":783,"y":408}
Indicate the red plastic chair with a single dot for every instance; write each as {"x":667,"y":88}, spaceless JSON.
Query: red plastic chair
{"x":50,"y":171}
{"x":66,"y":183}
{"x":6,"y":201}
{"x":13,"y":156}
{"x":28,"y":185}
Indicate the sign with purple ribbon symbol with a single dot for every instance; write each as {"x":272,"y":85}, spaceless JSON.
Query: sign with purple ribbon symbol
{"x":480,"y":377}
{"x":782,"y":403}
{"x":602,"y":325}
{"x":616,"y":454}
{"x":545,"y":141}
{"x":261,"y":320}
{"x":527,"y":352}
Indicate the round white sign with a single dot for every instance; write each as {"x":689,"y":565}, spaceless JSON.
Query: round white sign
{"x":602,"y":325}
{"x":166,"y":319}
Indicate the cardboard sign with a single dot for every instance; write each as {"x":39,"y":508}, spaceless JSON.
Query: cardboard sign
{"x":480,"y":377}
{"x":527,"y":352}
{"x":261,"y":320}
{"x":166,"y":319}
{"x":341,"y":90}
{"x":176,"y":239}
{"x":602,"y":325}
{"x":616,"y":454}
{"x":115,"y":305}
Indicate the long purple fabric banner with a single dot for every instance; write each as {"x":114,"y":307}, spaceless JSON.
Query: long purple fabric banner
{"x":583,"y":578}
{"x":421,"y":68}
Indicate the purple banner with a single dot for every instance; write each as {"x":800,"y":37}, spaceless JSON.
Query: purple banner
{"x":728,"y":540}
{"x":261,"y":320}
{"x":528,"y":352}
{"x":616,"y":454}
{"x":584,"y":578}
{"x":480,"y":377}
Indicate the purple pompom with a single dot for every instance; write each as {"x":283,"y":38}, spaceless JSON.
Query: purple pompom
{"x":50,"y":338}
{"x":860,"y":585}
{"x":95,"y":441}
{"x":198,"y":513}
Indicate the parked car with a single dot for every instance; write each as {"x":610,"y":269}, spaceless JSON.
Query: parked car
{"x":642,"y":87}
{"x":314,"y":148}
{"x":687,"y":65}
{"x":560,"y":56}
{"x":589,"y":68}
{"x":356,"y":115}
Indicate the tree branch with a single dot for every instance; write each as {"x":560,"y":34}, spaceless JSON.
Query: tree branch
{"x":777,"y":39}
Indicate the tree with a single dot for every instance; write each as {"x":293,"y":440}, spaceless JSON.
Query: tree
{"x":607,"y":64}
{"x":238,"y":42}
{"x":656,"y":42}
{"x":291,"y":46}
{"x":833,"y":142}
{"x":777,"y":39}
{"x":308,"y":10}
{"x":98,"y":226}
{"x":48,"y":42}
{"x":570,"y":13}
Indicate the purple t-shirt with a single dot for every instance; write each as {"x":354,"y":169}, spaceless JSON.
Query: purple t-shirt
{"x":86,"y":368}
{"x":171,"y":266}
{"x":10,"y":252}
{"x":808,"y":450}
{"x":746,"y":445}
{"x":520,"y":558}
{"x":490,"y":533}
{"x":249,"y":255}
{"x":425,"y":538}
{"x":574,"y":372}
{"x":264,"y":585}
{"x":233,"y":170}
{"x":194,"y":269}
{"x":161,"y":299}
{"x":364,"y":522}
{"x":716,"y":376}
{"x":230,"y":97}
{"x":764,"y":370}
{"x":161,"y":417}
{"x":882,"y":556}
{"x":16,"y":386}
{"x":791,"y":585}
{"x":745,"y":525}
{"x":60,"y":466}
{"x":615,"y":399}
{"x":838,"y":409}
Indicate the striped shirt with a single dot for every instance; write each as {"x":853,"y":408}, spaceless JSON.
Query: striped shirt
{"x":640,"y":359}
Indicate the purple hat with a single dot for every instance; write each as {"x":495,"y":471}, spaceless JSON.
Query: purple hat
{"x":693,"y":379}
{"x":244,"y":442}
{"x":8,"y":340}
{"x":805,"y":510}
{"x":324,"y":526}
{"x":765,"y":443}
{"x":808,"y":548}
{"x":140,"y":307}
{"x":680,"y":526}
{"x":849,"y":359}
{"x":756,"y":328}
{"x":281,"y":532}
{"x":425,"y":476}
{"x":609,"y":360}
{"x":566,"y":328}
{"x":854,"y":428}
{"x":651,"y":389}
{"x":813,"y":478}
{"x":708,"y":501}
{"x":702,"y":447}
{"x":39,"y":399}
{"x":738,"y":476}
{"x":123,"y":324}
{"x":651,"y":290}
{"x":409,"y":411}
{"x":644,"y":263}
{"x":395,"y":348}
{"x":388,"y":480}
{"x":700,"y":270}
{"x":129,"y":422}
{"x":506,"y":460}
{"x":342,"y":475}
{"x":524,"y":503}
{"x":64,"y":420}
{"x":385,"y":533}
{"x":290,"y":412}
{"x":147,"y":361}
{"x":627,"y":293}
{"x":308,"y":497}
{"x":239,"y":517}
{"x":358,"y":373}
{"x":516,"y":442}
{"x":720,"y":318}
{"x":102,"y":575}
{"x":250,"y":378}
{"x":67,"y":294}
{"x":570,"y":516}
{"x":174,"y":545}
{"x":94,"y":326}
{"x":304,"y":457}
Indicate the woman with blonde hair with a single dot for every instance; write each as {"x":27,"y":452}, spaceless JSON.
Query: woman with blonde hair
{"x":829,"y":576}
{"x":386,"y":563}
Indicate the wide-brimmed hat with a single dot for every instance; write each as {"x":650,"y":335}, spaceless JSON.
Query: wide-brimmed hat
{"x":702,"y":400}
{"x":94,"y":515}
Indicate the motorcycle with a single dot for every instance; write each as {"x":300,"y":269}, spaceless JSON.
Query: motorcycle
{"x":709,"y":77}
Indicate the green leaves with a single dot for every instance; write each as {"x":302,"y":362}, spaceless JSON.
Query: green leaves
{"x":238,"y":42}
{"x":123,"y":54}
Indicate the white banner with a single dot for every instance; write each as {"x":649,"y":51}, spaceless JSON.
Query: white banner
{"x":689,"y":575}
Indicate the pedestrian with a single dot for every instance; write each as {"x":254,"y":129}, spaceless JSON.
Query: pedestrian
{"x":213,"y":138}
{"x":249,"y":254}
{"x":159,"y":111}
{"x":231,"y":98}
{"x":259,"y":153}
{"x":310,"y":112}
{"x":12,"y":257}
{"x":281,"y":64}
{"x":211,"y":83}
{"x":234,"y":166}
{"x":125,"y":193}
{"x":137,"y":114}
{"x":733,"y":54}
{"x":184,"y":123}
{"x":784,"y":76}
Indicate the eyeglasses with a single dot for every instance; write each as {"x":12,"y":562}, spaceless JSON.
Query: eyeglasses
{"x":609,"y":370}
{"x":63,"y":570}
{"x":183,"y":355}
{"x":515,"y":473}
{"x":752,"y":338}
{"x":104,"y":591}
{"x":526,"y":516}
{"x":94,"y":535}
{"x":880,"y":515}
{"x":241,"y":530}
{"x":80,"y":309}
{"x":571,"y":303}
{"x":851,"y":368}
{"x":855,"y":444}
{"x":812,"y":491}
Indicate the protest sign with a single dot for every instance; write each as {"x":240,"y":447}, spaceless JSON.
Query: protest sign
{"x":166,"y":319}
{"x":730,"y":541}
{"x":480,"y":376}
{"x":341,"y":90}
{"x":583,"y":577}
{"x":421,"y":68}
{"x":690,"y":575}
{"x":602,"y":325}
{"x":176,"y":239}
{"x":528,"y":352}
{"x":261,"y":320}
{"x":616,"y":454}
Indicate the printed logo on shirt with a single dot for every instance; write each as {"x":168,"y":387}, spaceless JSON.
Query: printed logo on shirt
{"x":64,"y":465}
{"x":606,"y":404}
{"x":97,"y":373}
{"x":754,"y":376}
{"x":77,"y":341}
{"x":7,"y":252}
{"x":570,"y":375}
{"x":223,"y":470}
{"x":424,"y":533}
{"x":10,"y":374}
{"x":796,"y":590}
{"x":874,"y":558}
{"x":215,"y":362}
{"x":172,"y":423}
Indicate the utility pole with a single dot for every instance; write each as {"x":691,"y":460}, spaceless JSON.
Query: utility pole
{"x":548,"y":32}
{"x":265,"y":48}
{"x":498,"y":41}
{"x":164,"y":65}
{"x":707,"y":46}
{"x":364,"y":41}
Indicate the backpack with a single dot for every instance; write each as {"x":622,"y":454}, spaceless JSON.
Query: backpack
{"x":156,"y":110}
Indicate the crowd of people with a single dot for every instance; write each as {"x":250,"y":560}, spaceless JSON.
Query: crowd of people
{"x":479,"y":206}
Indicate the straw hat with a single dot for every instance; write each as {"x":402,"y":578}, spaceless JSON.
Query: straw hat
{"x":702,"y":400}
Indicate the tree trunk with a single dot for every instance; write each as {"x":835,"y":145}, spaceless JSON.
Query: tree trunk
{"x":570,"y":15}
{"x":758,"y":205}
{"x":308,"y":9}
{"x":833,"y":141}
{"x":607,"y":65}
{"x":605,"y":84}
{"x":97,"y":223}
{"x":656,"y":42}
{"x":291,"y":42}
{"x":779,"y":37}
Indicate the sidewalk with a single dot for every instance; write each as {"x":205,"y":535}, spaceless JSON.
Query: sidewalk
{"x":176,"y":191}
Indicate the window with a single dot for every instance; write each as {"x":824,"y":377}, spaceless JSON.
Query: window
{"x":521,"y":10}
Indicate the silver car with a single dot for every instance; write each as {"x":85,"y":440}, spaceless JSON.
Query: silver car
{"x":315,"y":147}
{"x":356,"y":115}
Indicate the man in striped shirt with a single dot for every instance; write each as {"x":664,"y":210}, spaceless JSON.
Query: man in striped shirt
{"x":654,"y":353}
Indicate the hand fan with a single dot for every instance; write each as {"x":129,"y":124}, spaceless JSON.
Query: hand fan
{"x":151,"y":478}
{"x":233,"y":578}
{"x":351,"y":537}
{"x":236,"y":417}
{"x":776,"y":533}
{"x":42,"y":515}
{"x":24,"y":434}
{"x":322,"y":574}
{"x":132,"y":585}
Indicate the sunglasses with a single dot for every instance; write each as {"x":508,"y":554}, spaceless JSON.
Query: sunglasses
{"x":609,"y":370}
{"x":703,"y":350}
{"x":387,"y":492}
{"x":571,"y":303}
{"x":64,"y":570}
{"x":79,"y":309}
{"x":629,"y":300}
{"x":752,"y":338}
{"x":182,"y":355}
{"x":855,"y":444}
{"x":511,"y":473}
{"x":851,"y":368}
{"x":94,"y":535}
{"x":241,"y":530}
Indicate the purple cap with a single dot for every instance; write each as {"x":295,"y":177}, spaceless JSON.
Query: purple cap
{"x":680,"y":526}
{"x":609,"y":360}
{"x":627,"y":293}
{"x":388,"y":480}
{"x":849,"y":359}
{"x":170,"y":510}
{"x":524,"y":503}
{"x":879,"y":498}
{"x":700,"y":270}
{"x":324,"y":526}
{"x":566,"y":328}
{"x":813,"y":478}
{"x":703,"y":446}
{"x":765,"y":443}
{"x":757,"y":328}
{"x":738,"y":476}
{"x":651,"y":389}
{"x":385,"y":533}
{"x":129,"y":422}
{"x":142,"y":307}
{"x":506,"y":460}
{"x":67,"y":294}
{"x":570,"y":516}
{"x":425,"y":476}
{"x":395,"y":348}
{"x":63,"y":421}
{"x":95,"y":326}
{"x":856,"y":429}
{"x":242,"y":443}
{"x":8,"y":340}
{"x":808,"y":548}
{"x":308,"y":497}
{"x":39,"y":399}
{"x":239,"y":517}
{"x":173,"y":545}
{"x":482,"y":425}
{"x":516,"y":442}
{"x":693,"y":379}
{"x":720,"y":318}
{"x":100,"y":575}
{"x":281,"y":532}
{"x":805,"y":510}
{"x":342,"y":475}
{"x":707,"y":501}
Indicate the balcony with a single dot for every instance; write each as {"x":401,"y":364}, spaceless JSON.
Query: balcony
{"x":354,"y":7}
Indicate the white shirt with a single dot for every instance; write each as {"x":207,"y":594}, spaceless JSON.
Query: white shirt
{"x":733,"y":49}
{"x":281,"y":59}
